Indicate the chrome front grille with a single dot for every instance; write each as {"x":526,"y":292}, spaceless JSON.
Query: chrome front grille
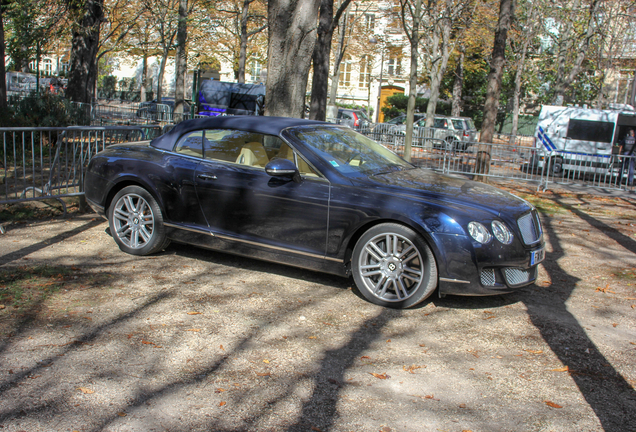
{"x":517,"y":276}
{"x":487,"y":277}
{"x":530,"y":227}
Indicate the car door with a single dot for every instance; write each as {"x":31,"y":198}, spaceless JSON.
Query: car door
{"x":241,"y":202}
{"x":178,"y":188}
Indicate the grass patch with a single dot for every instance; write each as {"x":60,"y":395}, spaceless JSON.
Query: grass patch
{"x":25,"y":286}
{"x":34,"y":210}
{"x":543,"y":205}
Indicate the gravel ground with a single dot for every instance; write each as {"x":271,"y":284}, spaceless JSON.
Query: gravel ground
{"x":192,"y":340}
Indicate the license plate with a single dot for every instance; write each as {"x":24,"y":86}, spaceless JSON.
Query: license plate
{"x":537,"y":256}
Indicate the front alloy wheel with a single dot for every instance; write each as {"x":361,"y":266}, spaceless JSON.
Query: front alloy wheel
{"x":136,"y":223}
{"x":394,"y":267}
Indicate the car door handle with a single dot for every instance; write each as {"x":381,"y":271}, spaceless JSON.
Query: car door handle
{"x":207,"y":177}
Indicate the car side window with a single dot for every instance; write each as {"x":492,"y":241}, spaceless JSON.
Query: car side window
{"x":286,"y":152}
{"x":191,"y":144}
{"x":440,"y":123}
{"x":458,"y":124}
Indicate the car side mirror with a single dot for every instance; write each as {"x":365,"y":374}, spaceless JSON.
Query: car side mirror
{"x":283,"y":168}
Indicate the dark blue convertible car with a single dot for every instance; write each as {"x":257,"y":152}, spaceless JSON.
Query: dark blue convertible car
{"x":318,"y":196}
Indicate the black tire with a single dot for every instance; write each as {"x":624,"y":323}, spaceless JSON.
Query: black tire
{"x":450,"y":144}
{"x":388,"y":276}
{"x":136,"y":222}
{"x":556,"y":166}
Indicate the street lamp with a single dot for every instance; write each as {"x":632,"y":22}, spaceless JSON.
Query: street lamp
{"x":373,"y":40}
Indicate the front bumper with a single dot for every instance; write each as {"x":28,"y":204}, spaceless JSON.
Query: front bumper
{"x":491,"y":270}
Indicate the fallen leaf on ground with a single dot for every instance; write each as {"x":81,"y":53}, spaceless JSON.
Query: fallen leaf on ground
{"x":365,"y":357}
{"x":315,"y":429}
{"x":221,"y":346}
{"x":194,"y":330}
{"x":219,"y":390}
{"x":614,"y":324}
{"x":194,"y":313}
{"x":145,"y":342}
{"x":222,"y":403}
{"x":605,"y":290}
{"x":430,"y":397}
{"x":312,"y":337}
{"x":266,"y":361}
{"x":121,"y":414}
{"x":380,"y":376}
{"x":462,"y":405}
{"x":85,"y":390}
{"x":263,"y":374}
{"x":552,"y":404}
{"x":563,"y":369}
{"x":411,"y":368}
{"x":534,"y":351}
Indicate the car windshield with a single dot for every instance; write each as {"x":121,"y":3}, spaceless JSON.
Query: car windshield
{"x":349,"y":152}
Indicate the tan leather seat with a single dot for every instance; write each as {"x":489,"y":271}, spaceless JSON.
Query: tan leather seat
{"x":253,"y":154}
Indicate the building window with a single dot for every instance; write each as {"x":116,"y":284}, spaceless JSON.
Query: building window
{"x":345,"y":72}
{"x":48,"y":67}
{"x":369,"y":21}
{"x":394,"y":66}
{"x":255,"y":70}
{"x":365,"y":71}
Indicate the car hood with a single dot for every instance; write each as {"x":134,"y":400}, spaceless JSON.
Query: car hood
{"x":449,"y":190}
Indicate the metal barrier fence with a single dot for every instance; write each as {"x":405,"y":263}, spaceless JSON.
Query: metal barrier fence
{"x":43,"y":163}
{"x":513,"y":162}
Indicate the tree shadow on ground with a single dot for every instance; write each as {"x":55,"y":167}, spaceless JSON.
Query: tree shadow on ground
{"x":606,"y":391}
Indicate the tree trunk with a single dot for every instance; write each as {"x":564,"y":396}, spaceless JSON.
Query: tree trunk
{"x":442,"y":44}
{"x":528,"y":35}
{"x":414,"y":39}
{"x":517,"y":92}
{"x":493,"y":89}
{"x":335,"y":78}
{"x":181,"y":61}
{"x":3,"y":81}
{"x":458,"y":83}
{"x":243,"y":48}
{"x":292,"y":36}
{"x":162,"y":70}
{"x":565,"y":80}
{"x":493,"y":86}
{"x":84,"y":45}
{"x":144,"y":77}
{"x":322,"y":52}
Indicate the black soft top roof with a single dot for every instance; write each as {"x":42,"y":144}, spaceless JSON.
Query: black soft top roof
{"x":255,"y":124}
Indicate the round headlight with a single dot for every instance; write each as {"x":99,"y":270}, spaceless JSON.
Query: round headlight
{"x":502,"y":232}
{"x":479,"y":232}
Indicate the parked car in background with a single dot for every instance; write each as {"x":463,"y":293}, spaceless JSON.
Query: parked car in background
{"x":318,"y":196}
{"x":457,"y":133}
{"x":354,"y":118}
{"x":160,"y":111}
{"x":449,"y":132}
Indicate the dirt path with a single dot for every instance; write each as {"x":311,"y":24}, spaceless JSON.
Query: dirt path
{"x":191,"y":340}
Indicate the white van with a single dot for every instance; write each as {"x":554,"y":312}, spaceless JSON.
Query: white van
{"x":581,"y":139}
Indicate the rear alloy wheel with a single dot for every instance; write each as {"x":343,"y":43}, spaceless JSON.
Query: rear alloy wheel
{"x":136,"y":222}
{"x":393,"y":266}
